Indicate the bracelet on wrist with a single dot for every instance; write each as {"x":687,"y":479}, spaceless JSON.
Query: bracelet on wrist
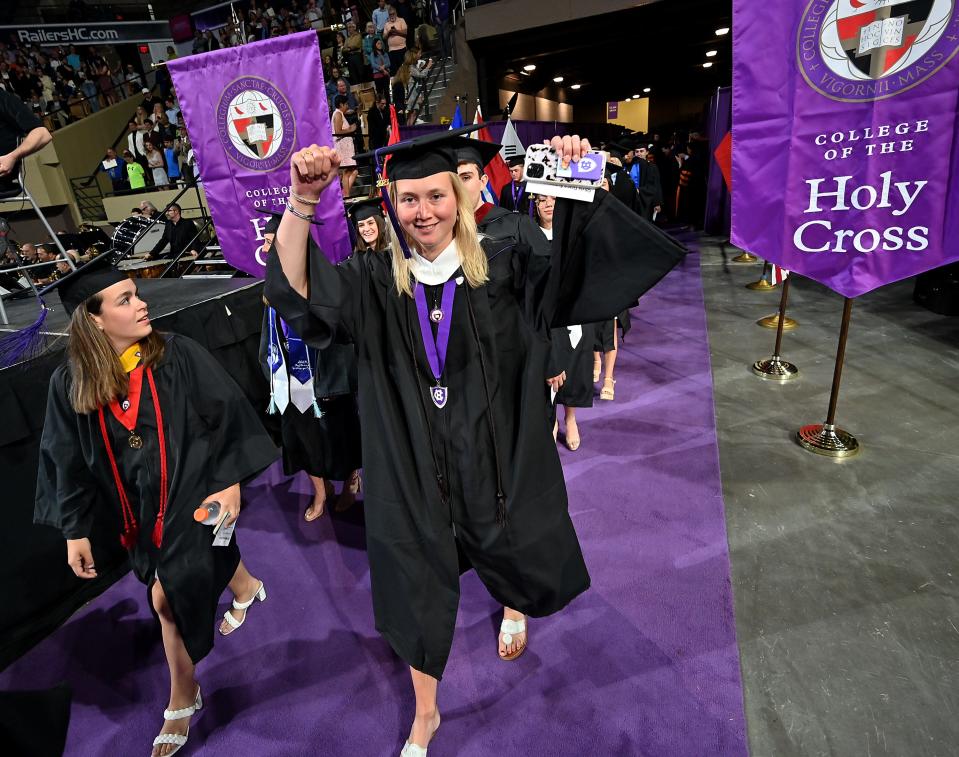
{"x":304,"y":216}
{"x":305,"y":201}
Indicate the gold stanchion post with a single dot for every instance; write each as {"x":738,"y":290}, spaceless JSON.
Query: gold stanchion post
{"x":772,"y":322}
{"x":825,"y":438}
{"x":775,"y":368}
{"x":745,"y":257}
{"x":763,"y":284}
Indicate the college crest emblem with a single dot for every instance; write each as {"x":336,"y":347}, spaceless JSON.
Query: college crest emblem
{"x":255,"y":124}
{"x":861,"y":50}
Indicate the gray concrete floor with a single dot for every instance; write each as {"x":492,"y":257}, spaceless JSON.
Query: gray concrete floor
{"x":846,"y":574}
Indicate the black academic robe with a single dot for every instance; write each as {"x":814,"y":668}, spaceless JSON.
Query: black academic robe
{"x":214,"y":439}
{"x":479,"y":481}
{"x":649,"y":193}
{"x":506,"y":198}
{"x":622,"y":188}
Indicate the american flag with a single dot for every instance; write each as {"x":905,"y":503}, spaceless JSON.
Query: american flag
{"x":777,"y":275}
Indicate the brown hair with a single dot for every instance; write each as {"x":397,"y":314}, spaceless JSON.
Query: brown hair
{"x":384,"y":237}
{"x":97,"y":374}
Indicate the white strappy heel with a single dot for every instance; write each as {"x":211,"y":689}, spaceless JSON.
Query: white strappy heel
{"x":179,"y":739}
{"x":412,"y":750}
{"x":237,"y":605}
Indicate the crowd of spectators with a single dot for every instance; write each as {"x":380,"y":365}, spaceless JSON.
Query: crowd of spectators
{"x":63,"y":84}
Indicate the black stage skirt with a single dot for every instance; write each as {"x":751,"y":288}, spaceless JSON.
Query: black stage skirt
{"x":327,"y":447}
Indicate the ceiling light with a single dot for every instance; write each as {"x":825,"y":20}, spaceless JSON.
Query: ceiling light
{"x":529,"y":67}
{"x":645,"y":89}
{"x":710,"y":53}
{"x":576,"y":86}
{"x":722,"y":31}
{"x":558,"y":79}
{"x":628,"y":99}
{"x":708,"y":64}
{"x":525,"y":73}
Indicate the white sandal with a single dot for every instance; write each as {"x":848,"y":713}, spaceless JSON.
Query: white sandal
{"x":237,"y":605}
{"x":509,"y":628}
{"x":178,"y":739}
{"x":412,"y":750}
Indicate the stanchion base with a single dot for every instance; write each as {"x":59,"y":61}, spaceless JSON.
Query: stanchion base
{"x":827,"y":440}
{"x":745,"y":258}
{"x":772,"y":322}
{"x":761,"y":286}
{"x":775,"y":369}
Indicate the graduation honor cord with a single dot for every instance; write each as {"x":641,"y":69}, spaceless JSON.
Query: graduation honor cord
{"x":436,"y":347}
{"x":127,"y":414}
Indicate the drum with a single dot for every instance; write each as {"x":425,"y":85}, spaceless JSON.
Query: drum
{"x":144,"y":269}
{"x":133,"y":231}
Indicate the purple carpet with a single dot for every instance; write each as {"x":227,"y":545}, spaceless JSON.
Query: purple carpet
{"x":644,"y":663}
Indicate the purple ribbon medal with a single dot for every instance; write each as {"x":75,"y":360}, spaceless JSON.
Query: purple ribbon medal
{"x":437,"y":347}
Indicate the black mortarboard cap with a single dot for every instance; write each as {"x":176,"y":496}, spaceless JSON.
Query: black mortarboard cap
{"x":363,"y":209}
{"x":516,"y":160}
{"x":618,"y":149}
{"x":273,"y":224}
{"x":79,"y":285}
{"x":425,"y":156}
{"x":477,"y":151}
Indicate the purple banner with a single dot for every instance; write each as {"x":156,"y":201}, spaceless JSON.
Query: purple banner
{"x":247,"y":110}
{"x":612,"y":110}
{"x":845,"y":154}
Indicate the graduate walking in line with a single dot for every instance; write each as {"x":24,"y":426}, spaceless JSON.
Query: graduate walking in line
{"x":451,"y":344}
{"x":145,"y":428}
{"x":314,"y":392}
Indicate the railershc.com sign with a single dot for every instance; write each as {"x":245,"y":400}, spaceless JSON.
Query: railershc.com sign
{"x":89,"y":34}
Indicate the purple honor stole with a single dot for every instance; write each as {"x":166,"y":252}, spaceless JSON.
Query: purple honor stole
{"x":436,"y":347}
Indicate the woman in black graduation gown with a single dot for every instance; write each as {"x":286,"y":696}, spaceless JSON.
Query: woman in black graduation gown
{"x":451,"y":348}
{"x":319,"y":427}
{"x":571,"y":348}
{"x":144,"y":428}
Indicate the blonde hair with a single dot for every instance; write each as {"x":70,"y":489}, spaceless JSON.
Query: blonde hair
{"x":95,"y":368}
{"x":472,"y":257}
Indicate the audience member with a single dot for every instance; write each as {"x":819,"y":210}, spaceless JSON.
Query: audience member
{"x":394,"y":32}
{"x":380,"y":63}
{"x":116,"y":170}
{"x":378,"y":122}
{"x":157,"y":165}
{"x":380,"y":16}
{"x":135,"y":172}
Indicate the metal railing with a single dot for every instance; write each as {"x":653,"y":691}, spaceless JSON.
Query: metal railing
{"x":89,"y":199}
{"x":425,"y":89}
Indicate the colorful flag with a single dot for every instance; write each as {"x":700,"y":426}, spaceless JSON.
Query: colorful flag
{"x":496,"y":170}
{"x":510,"y":141}
{"x":845,"y":139}
{"x":394,"y":132}
{"x":247,"y":110}
{"x":777,"y":275}
{"x":724,"y":157}
{"x":457,"y":121}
